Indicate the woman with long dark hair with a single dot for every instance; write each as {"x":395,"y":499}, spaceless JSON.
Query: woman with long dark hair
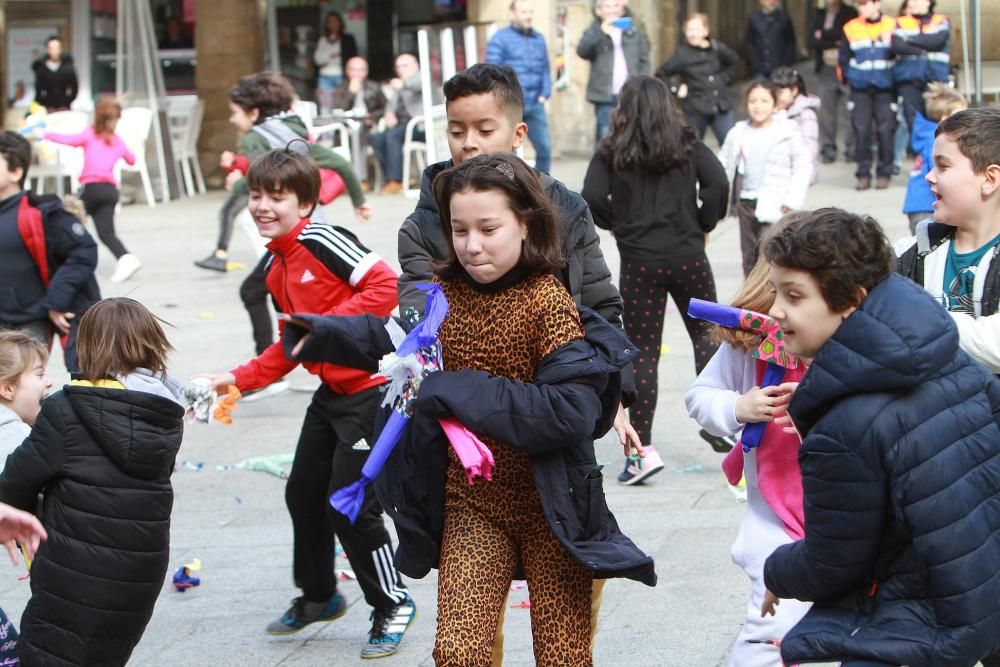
{"x":644,"y":184}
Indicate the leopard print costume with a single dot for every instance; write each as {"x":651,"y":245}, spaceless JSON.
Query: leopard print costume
{"x":492,"y":528}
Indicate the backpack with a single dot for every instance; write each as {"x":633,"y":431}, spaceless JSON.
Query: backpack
{"x":280,"y":136}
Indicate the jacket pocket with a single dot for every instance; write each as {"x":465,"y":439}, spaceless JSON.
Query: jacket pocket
{"x":586,"y":490}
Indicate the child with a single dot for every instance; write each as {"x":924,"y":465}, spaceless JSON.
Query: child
{"x":900,"y":459}
{"x":954,"y":256}
{"x":941,"y":101}
{"x":23,"y":385}
{"x":47,"y":260}
{"x":725,"y":397}
{"x":102,"y":452}
{"x":798,"y":105}
{"x":512,"y":336}
{"x":705,"y":67}
{"x":769,"y":157}
{"x":346,"y":279}
{"x":102,"y":149}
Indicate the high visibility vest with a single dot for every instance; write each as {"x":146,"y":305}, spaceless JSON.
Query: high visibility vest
{"x":929,"y":66}
{"x":871,"y":60}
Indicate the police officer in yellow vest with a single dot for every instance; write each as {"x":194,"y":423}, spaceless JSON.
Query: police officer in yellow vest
{"x":920,"y":42}
{"x":866,"y":62}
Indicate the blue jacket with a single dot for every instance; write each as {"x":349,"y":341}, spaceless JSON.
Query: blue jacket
{"x":572,"y":400}
{"x":921,"y":47}
{"x":866,"y":57}
{"x":918,"y":192}
{"x":769,"y":41}
{"x":526,"y":54}
{"x":901,"y":478}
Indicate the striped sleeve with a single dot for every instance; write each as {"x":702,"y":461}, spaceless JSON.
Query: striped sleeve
{"x":340,"y":251}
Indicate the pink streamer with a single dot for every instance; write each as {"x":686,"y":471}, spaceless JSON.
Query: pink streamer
{"x":476,"y":457}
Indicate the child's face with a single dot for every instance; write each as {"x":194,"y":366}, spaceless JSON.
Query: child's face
{"x":276,"y":213}
{"x":805,"y":317}
{"x":10,"y":181}
{"x":486,"y":233}
{"x":956,"y":186}
{"x":760,"y":105}
{"x":477,"y":125}
{"x":25,"y":397}
{"x":695,"y":31}
{"x":786,"y":96}
{"x":241,"y":119}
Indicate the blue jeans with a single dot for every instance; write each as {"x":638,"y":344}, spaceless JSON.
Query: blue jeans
{"x":603,"y":111}
{"x":720,"y":123}
{"x":329,"y":82}
{"x":538,"y":134}
{"x":388,"y":147}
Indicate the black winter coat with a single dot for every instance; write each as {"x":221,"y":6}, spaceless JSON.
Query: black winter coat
{"x":707,"y":72}
{"x":828,"y":39}
{"x":901,"y":480}
{"x":572,"y":400}
{"x":596,"y":46}
{"x":58,"y":89}
{"x":770,"y":41}
{"x":103,"y":459}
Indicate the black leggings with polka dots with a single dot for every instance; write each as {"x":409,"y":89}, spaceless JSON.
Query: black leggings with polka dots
{"x":644,"y":285}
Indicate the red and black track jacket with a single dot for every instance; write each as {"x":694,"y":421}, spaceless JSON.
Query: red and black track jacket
{"x":325,"y":270}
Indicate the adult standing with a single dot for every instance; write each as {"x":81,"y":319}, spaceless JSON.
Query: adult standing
{"x":770,"y":39}
{"x":523,"y":49}
{"x":824,"y":39}
{"x":920,"y":42}
{"x":55,"y":77}
{"x":616,"y":49}
{"x":407,"y":103}
{"x":644,"y":184}
{"x":333,"y":50}
{"x":705,"y":68}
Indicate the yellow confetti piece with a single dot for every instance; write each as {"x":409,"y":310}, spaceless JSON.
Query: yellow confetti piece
{"x":235,"y":266}
{"x":207,"y":315}
{"x":664,"y":349}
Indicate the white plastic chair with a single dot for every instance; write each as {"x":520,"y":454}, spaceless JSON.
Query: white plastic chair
{"x":307,"y":111}
{"x":340,"y":138}
{"x":185,"y":127}
{"x":56,"y":160}
{"x":133,"y":127}
{"x":417,"y":150}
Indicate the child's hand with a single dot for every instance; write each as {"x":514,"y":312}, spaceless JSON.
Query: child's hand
{"x":61,"y":320}
{"x":770,"y":602}
{"x":219,"y":381}
{"x":761,"y":405}
{"x":226,"y":159}
{"x":302,"y":324}
{"x":363,"y":213}
{"x":21,"y":527}
{"x":627,"y":436}
{"x":231,"y":179}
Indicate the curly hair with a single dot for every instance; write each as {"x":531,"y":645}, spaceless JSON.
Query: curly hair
{"x":841,"y":250}
{"x":267,"y":92}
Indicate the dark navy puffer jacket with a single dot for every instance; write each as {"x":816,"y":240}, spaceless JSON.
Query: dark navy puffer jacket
{"x":901,"y":479}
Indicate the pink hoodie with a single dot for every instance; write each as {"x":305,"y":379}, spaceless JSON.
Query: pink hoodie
{"x":99,"y":158}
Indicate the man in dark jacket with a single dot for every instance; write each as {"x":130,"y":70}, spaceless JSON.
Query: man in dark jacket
{"x":523,"y":49}
{"x":900,"y":460}
{"x":55,"y":77}
{"x":770,"y":39}
{"x":617,"y":49}
{"x":824,"y":39}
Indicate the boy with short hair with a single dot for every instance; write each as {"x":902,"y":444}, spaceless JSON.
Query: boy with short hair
{"x":900,"y":460}
{"x":954,"y":256}
{"x":47,"y":257}
{"x":322,"y":269}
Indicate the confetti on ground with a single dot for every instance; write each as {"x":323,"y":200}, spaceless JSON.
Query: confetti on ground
{"x":664,"y":349}
{"x":697,"y":467}
{"x":193,"y":465}
{"x":206,"y":315}
{"x":235,"y":266}
{"x":345,"y":575}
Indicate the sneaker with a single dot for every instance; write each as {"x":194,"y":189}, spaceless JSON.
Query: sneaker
{"x":720,"y":443}
{"x":127,"y":265}
{"x":267,"y":391}
{"x":639,"y":469}
{"x":388,"y":628}
{"x":213,"y":263}
{"x":303,"y":612}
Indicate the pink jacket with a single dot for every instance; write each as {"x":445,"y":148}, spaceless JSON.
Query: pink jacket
{"x":99,"y":157}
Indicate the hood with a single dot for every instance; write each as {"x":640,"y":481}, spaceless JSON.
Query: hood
{"x":922,"y":136}
{"x":426,"y":200}
{"x":9,"y":417}
{"x":897,"y":339}
{"x":803,"y":102}
{"x":139,"y":431}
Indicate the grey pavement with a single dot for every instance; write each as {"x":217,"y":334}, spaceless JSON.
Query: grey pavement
{"x":235,"y":520}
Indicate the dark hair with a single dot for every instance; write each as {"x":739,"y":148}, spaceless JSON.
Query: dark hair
{"x":107,"y":111}
{"x":326,"y":23}
{"x":842,"y":251}
{"x":647,"y":130}
{"x":902,"y":8}
{"x":16,"y":151}
{"x":977,"y":132}
{"x":789,"y":77}
{"x":268,"y":92}
{"x":119,"y":335}
{"x":500,"y":80}
{"x":52,"y":38}
{"x":507,"y":174}
{"x":285,"y":169}
{"x":761,"y":83}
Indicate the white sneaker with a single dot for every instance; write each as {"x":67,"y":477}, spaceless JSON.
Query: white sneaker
{"x":267,"y":391}
{"x":127,"y":265}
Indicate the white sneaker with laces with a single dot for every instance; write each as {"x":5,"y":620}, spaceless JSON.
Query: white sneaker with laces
{"x":127,"y":265}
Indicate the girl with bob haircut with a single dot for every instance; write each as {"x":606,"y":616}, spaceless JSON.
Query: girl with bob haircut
{"x":101,"y":451}
{"x":661,"y":191}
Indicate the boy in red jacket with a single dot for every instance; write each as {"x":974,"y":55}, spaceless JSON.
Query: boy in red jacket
{"x":322,"y":269}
